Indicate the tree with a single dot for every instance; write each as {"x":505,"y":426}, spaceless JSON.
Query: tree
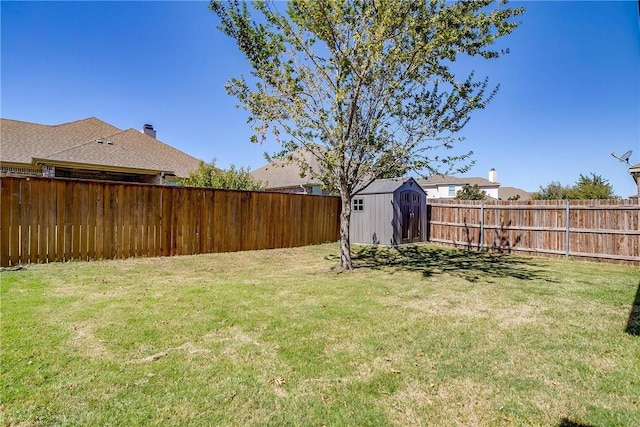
{"x":367,"y":86}
{"x":586,"y":187}
{"x":469,"y":192}
{"x":209,"y":175}
{"x":552,"y":191}
{"x":592,"y":187}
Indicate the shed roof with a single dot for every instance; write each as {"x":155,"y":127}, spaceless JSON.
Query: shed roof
{"x":389,"y":185}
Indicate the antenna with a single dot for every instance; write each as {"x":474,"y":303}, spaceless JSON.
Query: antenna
{"x":624,"y":158}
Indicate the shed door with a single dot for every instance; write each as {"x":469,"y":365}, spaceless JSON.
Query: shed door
{"x":411,"y":224}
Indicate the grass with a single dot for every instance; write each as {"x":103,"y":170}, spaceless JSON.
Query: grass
{"x":418,"y":335}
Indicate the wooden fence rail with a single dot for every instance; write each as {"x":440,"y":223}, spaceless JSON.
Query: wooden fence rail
{"x":47,"y":219}
{"x":591,"y":229}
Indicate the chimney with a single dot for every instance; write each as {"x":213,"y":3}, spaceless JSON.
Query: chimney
{"x":493,"y":175}
{"x":147,"y":129}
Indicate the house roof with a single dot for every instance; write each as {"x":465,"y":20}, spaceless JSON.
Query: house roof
{"x":152,"y":151}
{"x":100,"y":155}
{"x":283,"y":173}
{"x":504,"y":193}
{"x":23,"y":141}
{"x":76,"y":143}
{"x":384,"y":186}
{"x":436,"y":180}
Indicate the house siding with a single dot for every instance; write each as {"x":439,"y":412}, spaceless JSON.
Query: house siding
{"x":442,"y":191}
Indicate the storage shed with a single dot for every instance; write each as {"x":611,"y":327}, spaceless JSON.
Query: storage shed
{"x":389,"y":212}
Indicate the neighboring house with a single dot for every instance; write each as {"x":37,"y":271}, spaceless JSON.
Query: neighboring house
{"x":446,"y":186}
{"x":635,"y":173}
{"x":285,"y":176}
{"x":389,"y":212}
{"x":513,"y":193}
{"x":90,"y":149}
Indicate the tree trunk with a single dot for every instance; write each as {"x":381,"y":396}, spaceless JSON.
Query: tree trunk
{"x":345,"y":245}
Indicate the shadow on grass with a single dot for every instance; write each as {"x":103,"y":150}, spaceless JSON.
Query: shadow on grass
{"x":568,"y":423}
{"x":633,"y":324}
{"x":432,"y":260}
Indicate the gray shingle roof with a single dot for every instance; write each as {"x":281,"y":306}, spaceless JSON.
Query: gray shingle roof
{"x":75,"y":142}
{"x":504,"y":193}
{"x":22,"y":141}
{"x":102,"y":155}
{"x":282,"y":173}
{"x":153,"y":151}
{"x":384,"y":186}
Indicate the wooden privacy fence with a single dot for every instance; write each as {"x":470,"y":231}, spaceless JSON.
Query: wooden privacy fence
{"x":45,"y":220}
{"x":592,"y":229}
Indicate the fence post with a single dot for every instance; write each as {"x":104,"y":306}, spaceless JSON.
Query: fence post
{"x":566,"y":237}
{"x":481,"y":226}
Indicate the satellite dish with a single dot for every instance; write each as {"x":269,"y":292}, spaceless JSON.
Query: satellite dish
{"x":624,"y":158}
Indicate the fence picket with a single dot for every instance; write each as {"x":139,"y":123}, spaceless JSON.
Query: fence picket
{"x":5,"y":227}
{"x":46,"y":219}
{"x":604,"y":229}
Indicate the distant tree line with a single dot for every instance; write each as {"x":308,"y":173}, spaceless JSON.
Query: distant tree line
{"x":211,"y":176}
{"x":590,"y":186}
{"x":586,"y":187}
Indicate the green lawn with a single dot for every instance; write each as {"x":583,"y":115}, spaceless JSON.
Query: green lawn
{"x":419,"y":335}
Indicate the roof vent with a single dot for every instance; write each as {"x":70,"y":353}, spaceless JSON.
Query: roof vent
{"x":110,"y":142}
{"x":99,"y":141}
{"x":147,"y":129}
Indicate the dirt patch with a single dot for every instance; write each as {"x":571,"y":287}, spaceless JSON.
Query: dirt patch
{"x":463,"y":401}
{"x":188,"y":347}
{"x":506,"y":317}
{"x":86,"y":343}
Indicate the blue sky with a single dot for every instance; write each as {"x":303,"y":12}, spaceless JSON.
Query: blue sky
{"x":569,"y":96}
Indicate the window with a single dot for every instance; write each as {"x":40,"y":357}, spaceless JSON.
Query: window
{"x":358,"y":204}
{"x":416,"y":198}
{"x":452,"y":190}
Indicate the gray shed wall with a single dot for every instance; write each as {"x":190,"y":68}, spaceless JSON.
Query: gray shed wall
{"x":382,"y":218}
{"x":375,"y":220}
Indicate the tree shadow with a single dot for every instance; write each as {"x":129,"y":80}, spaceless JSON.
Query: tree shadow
{"x":432,"y":260}
{"x":502,"y":238}
{"x":633,"y":324}
{"x":565,"y":422}
{"x":470,"y":238}
{"x":501,"y":242}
